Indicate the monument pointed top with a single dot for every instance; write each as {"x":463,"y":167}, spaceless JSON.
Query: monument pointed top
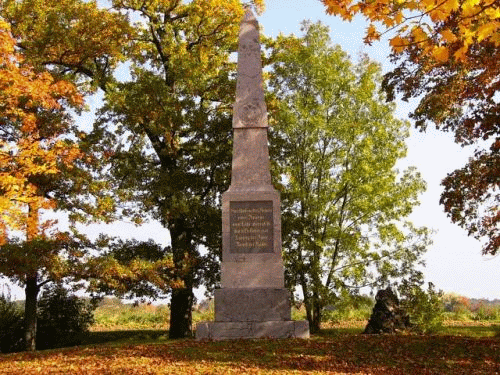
{"x":249,"y":16}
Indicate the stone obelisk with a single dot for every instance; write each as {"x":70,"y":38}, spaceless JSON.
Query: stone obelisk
{"x":252,"y":301}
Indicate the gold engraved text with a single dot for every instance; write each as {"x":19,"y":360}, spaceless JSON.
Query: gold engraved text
{"x":251,"y":227}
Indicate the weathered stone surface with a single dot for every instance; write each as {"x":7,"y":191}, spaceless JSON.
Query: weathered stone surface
{"x":250,"y":108}
{"x":257,"y":305}
{"x":250,"y":165}
{"x":252,"y":302}
{"x":387,"y":316}
{"x":248,"y":274}
{"x":252,"y":330}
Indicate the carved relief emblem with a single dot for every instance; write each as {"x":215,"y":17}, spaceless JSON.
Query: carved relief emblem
{"x":251,"y":112}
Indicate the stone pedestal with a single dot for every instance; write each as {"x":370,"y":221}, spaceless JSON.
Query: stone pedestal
{"x":253,"y":301}
{"x":252,"y":330}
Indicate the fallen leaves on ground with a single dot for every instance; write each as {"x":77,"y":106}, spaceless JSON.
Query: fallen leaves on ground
{"x":341,"y":354}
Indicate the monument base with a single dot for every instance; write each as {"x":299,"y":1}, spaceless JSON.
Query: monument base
{"x":252,"y":304}
{"x":252,"y":330}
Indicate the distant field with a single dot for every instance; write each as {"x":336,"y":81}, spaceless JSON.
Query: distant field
{"x":124,"y":317}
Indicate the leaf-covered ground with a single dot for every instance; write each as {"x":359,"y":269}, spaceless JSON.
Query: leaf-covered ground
{"x":333,"y":354}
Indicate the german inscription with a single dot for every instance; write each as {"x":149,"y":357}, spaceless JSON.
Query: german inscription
{"x":251,"y":227}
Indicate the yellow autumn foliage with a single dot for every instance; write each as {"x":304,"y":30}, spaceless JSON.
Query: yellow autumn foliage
{"x":28,"y":149}
{"x":476,"y":20}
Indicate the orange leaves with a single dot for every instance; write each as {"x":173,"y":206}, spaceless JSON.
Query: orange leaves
{"x":79,"y":31}
{"x":30,"y":146}
{"x":448,"y":36}
{"x":476,"y":20}
{"x":449,"y":57}
{"x":398,"y":44}
{"x":371,"y":34}
{"x":339,"y":353}
{"x":486,"y":30}
{"x":440,"y":53}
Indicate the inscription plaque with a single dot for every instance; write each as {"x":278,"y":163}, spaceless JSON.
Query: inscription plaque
{"x":251,"y":227}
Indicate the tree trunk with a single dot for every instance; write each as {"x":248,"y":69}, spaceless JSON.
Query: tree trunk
{"x":30,"y":307}
{"x":181,"y":313}
{"x":315,"y":322}
{"x":181,"y":303}
{"x":31,"y":287}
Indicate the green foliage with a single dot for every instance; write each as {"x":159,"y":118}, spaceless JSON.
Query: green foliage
{"x":205,"y":311}
{"x":352,"y":308}
{"x":486,"y":312}
{"x":165,"y":131}
{"x":335,"y":145}
{"x":131,"y":269}
{"x":425,"y":307}
{"x":299,"y":312}
{"x":463,"y":309}
{"x":11,"y":325}
{"x":62,"y":317}
{"x":131,"y":316}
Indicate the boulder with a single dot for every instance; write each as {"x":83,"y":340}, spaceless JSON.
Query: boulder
{"x":387,"y":315}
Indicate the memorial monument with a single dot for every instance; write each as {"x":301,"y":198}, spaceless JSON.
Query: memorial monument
{"x":252,"y":301}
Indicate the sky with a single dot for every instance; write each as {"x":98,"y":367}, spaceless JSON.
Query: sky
{"x":454,"y":262}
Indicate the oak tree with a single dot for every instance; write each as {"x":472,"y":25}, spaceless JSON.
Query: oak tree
{"x":335,"y":144}
{"x":169,"y":146}
{"x":35,"y":160}
{"x":167,"y":131}
{"x":447,"y":55}
{"x":47,"y":162}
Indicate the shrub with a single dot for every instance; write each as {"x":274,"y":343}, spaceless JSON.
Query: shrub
{"x":486,"y":312}
{"x":204,"y":311}
{"x":62,"y":318}
{"x":424,"y":307}
{"x":132,"y":316}
{"x":11,"y":325}
{"x":349,"y":308}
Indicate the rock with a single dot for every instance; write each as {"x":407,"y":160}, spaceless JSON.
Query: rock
{"x":387,"y":316}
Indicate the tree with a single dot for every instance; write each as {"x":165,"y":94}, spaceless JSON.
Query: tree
{"x":131,"y":269}
{"x":47,"y":163}
{"x":335,"y":148}
{"x":84,"y":43}
{"x":447,"y":55}
{"x":35,"y":159}
{"x":170,"y":152}
{"x":171,"y":123}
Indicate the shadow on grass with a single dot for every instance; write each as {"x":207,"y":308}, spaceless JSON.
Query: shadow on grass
{"x":123,"y":336}
{"x":331,"y":351}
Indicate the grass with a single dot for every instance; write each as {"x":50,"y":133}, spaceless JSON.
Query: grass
{"x":332,"y":352}
{"x":130,"y":317}
{"x":471,"y":329}
{"x":130,"y":339}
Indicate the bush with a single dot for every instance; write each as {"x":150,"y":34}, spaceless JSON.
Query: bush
{"x":425,"y":308}
{"x":349,"y":308}
{"x":132,"y":316}
{"x":62,"y":318}
{"x":204,"y":311}
{"x":11,"y":325}
{"x":486,"y":312}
